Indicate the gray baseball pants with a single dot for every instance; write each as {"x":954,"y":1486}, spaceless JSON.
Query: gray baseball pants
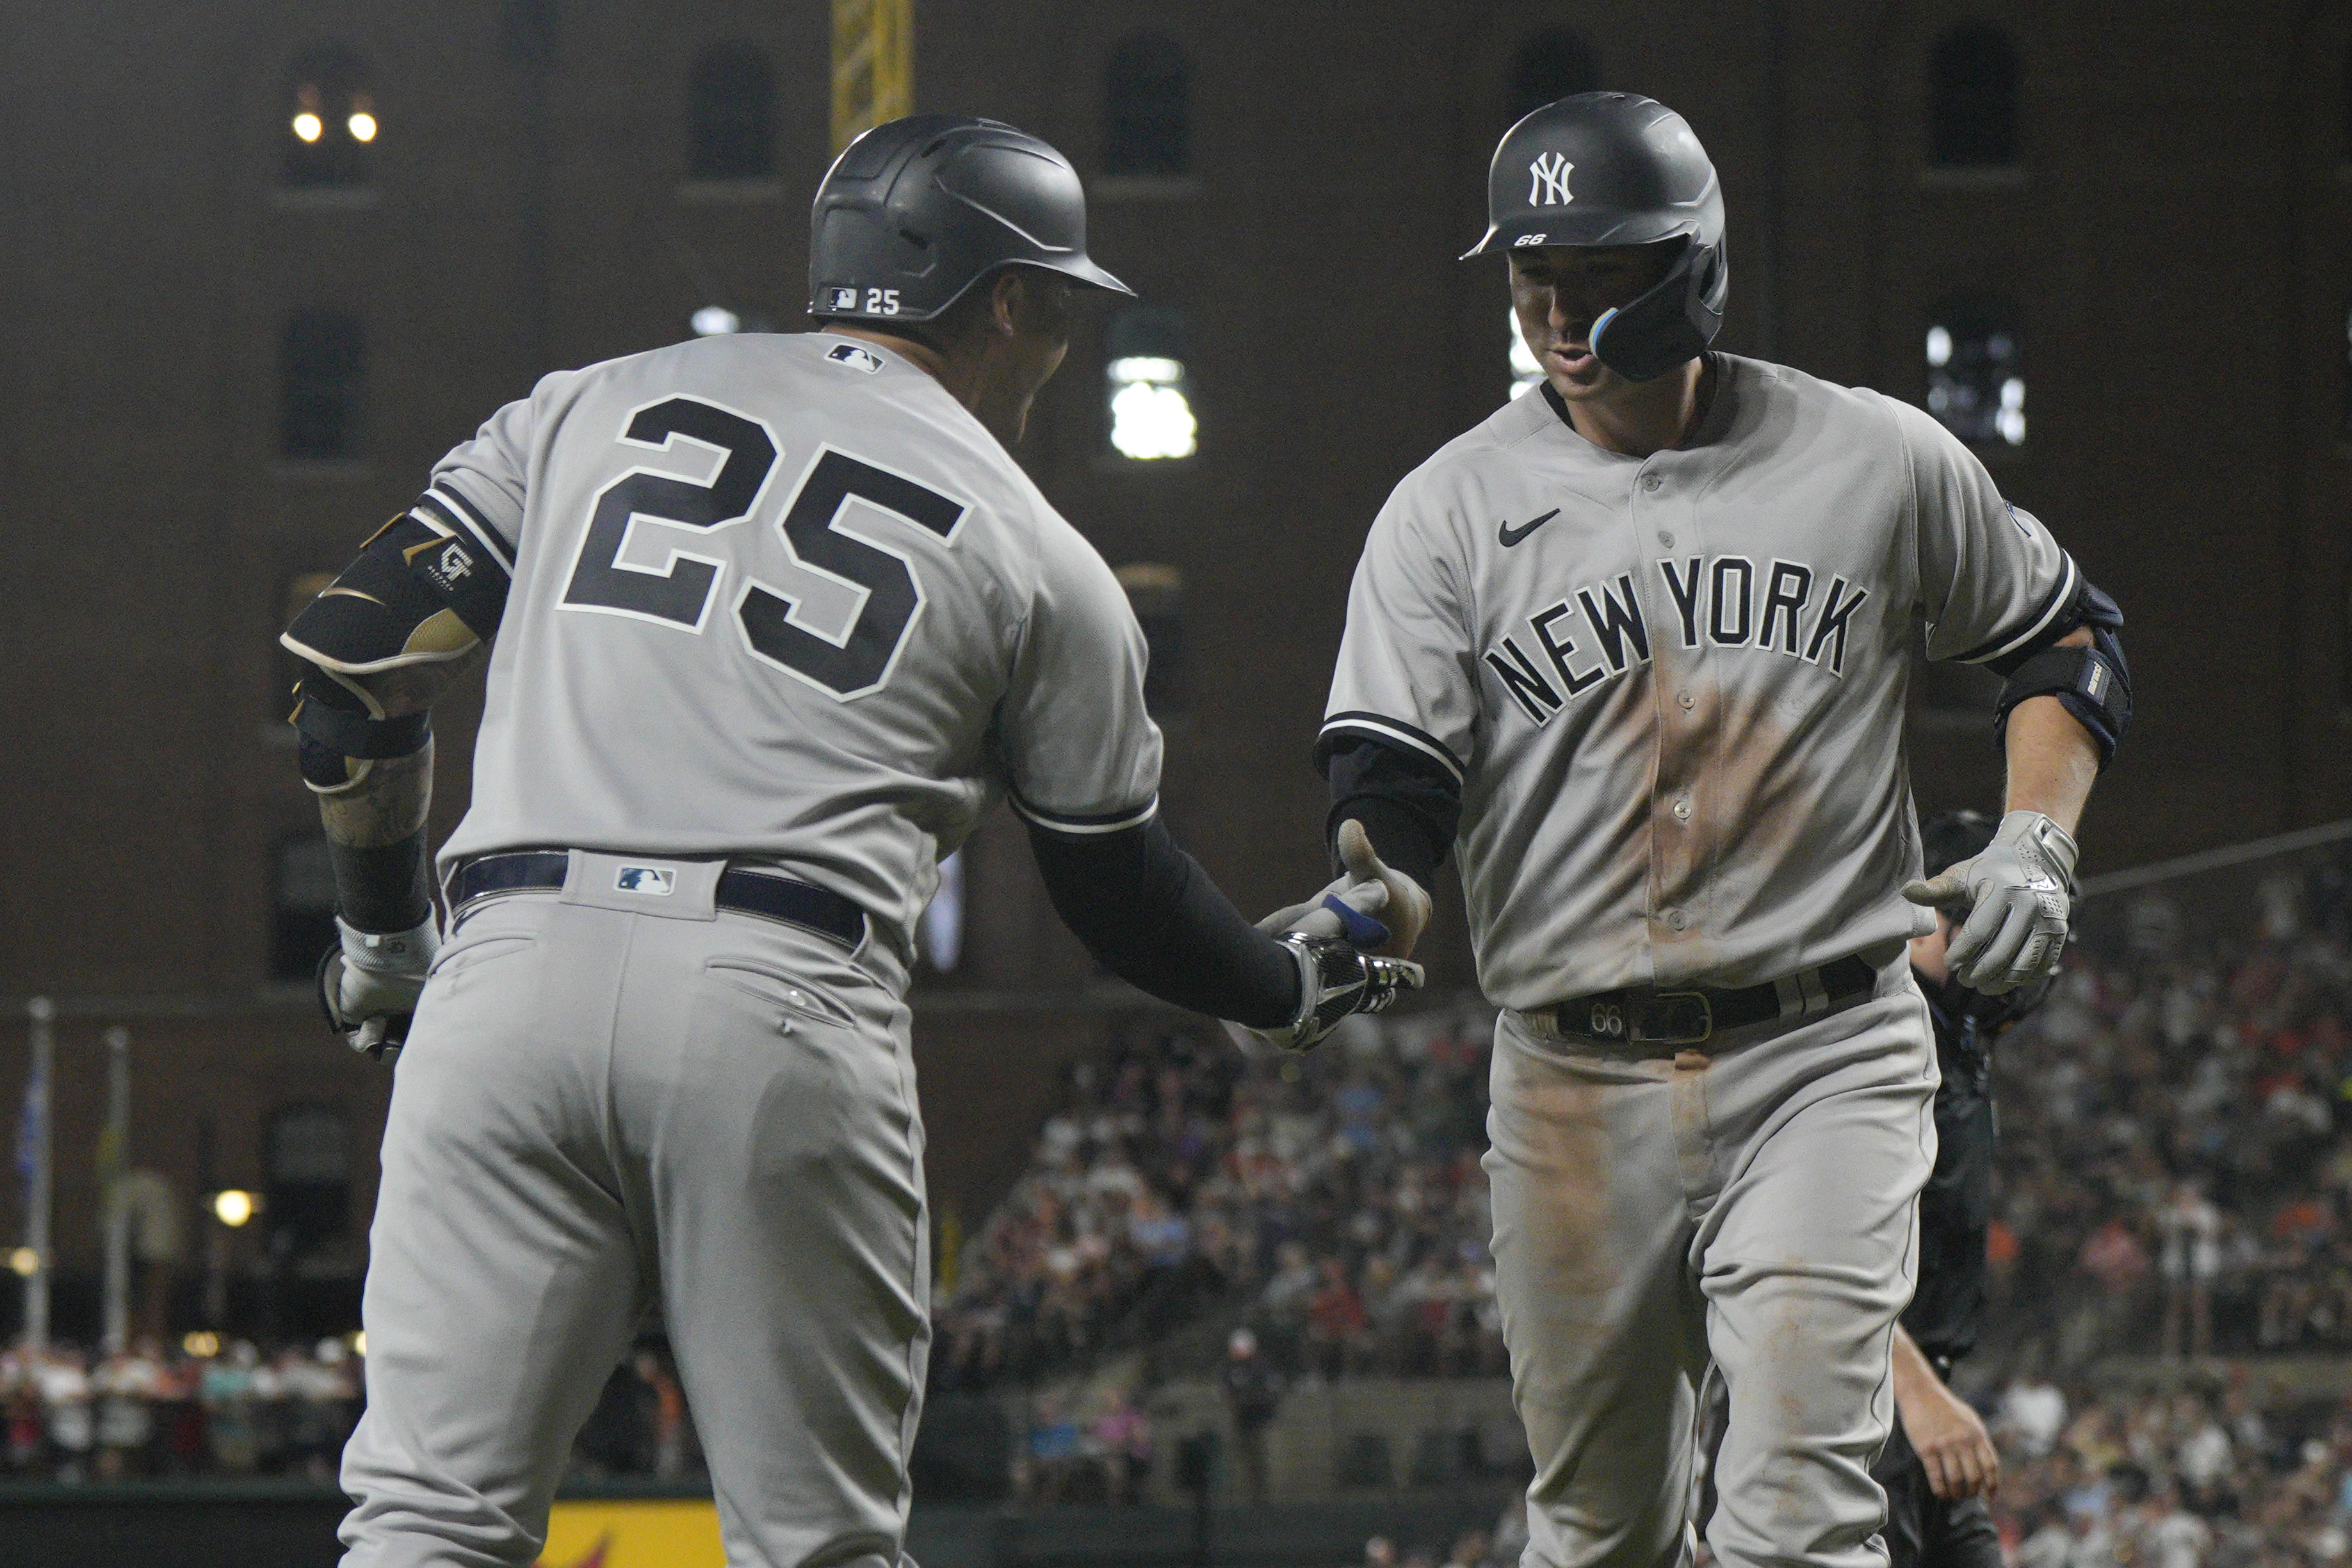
{"x":1748,"y":1213}
{"x":610,"y":1100}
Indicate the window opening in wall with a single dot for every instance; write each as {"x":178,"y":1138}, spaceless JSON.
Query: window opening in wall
{"x":1527,"y":374}
{"x":733,"y":114}
{"x":1972,"y":109}
{"x":1976,"y":374}
{"x":302,"y":906}
{"x":1148,"y":108}
{"x":331,"y":121}
{"x":322,"y":375}
{"x":1553,"y":63}
{"x":307,"y":1176}
{"x":1156,"y":592}
{"x":1149,"y":387}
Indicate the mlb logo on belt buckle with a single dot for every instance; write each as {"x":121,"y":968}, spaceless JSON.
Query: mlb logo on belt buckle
{"x":652,"y":880}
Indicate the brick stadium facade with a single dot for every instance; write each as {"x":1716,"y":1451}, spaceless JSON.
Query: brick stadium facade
{"x":2171,"y":233}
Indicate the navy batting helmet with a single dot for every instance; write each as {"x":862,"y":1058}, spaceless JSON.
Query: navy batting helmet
{"x":1615,"y":168}
{"x":916,"y":211}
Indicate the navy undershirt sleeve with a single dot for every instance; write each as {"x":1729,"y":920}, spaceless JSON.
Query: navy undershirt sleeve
{"x":1149,"y":914}
{"x":1409,"y":805}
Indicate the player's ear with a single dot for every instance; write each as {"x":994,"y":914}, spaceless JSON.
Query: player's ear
{"x":1008,"y":302}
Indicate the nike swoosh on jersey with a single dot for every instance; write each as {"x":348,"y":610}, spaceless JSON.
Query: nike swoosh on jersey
{"x":1511,"y":536}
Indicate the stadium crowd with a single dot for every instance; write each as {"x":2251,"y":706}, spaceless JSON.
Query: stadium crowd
{"x":1337,"y":1197}
{"x":2175,"y":1163}
{"x":205,"y":1410}
{"x":2184,"y":1478}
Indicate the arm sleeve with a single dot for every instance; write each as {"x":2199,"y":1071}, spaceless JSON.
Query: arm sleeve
{"x":1148,"y":912}
{"x":1409,"y":805}
{"x":1081,"y":755}
{"x":1405,"y":673}
{"x":1992,"y":580}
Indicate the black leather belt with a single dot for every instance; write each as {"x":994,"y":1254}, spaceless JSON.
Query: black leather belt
{"x":1635,"y":1020}
{"x":742,"y":889}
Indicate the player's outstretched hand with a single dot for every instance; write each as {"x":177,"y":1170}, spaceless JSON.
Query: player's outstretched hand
{"x":1371,"y":903}
{"x":1339,"y":910}
{"x":1951,"y":1442}
{"x":2014,"y":901}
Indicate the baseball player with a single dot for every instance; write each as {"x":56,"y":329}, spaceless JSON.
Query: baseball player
{"x":776,"y":618}
{"x":1635,"y":648}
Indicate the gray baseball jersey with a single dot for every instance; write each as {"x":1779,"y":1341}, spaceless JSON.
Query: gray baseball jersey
{"x":784,"y":597}
{"x":1672,"y":687}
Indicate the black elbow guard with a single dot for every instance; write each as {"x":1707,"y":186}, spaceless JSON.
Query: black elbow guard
{"x":337,"y":735}
{"x":2089,"y":683}
{"x":2093,"y":682}
{"x":420,"y":592}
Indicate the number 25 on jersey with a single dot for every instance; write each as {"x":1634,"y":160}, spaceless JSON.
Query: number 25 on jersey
{"x":679,"y":592}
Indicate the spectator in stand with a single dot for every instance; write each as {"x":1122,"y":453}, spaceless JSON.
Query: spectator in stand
{"x":20,"y":1408}
{"x":671,"y":1433}
{"x":126,"y":1385}
{"x":232,"y":1426}
{"x":1120,"y":1437}
{"x":2032,"y":1413}
{"x":1055,"y":1445}
{"x":1338,"y":1330}
{"x":66,"y":1413}
{"x":2190,"y":1261}
{"x":1253,"y":1394}
{"x":320,"y":1394}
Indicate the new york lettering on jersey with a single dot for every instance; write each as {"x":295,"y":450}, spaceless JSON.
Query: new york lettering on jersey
{"x":1689,"y":660}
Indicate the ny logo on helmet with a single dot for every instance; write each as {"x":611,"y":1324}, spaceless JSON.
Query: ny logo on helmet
{"x":1550,"y":186}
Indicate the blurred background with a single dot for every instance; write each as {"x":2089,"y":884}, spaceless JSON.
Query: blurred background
{"x":267,"y":261}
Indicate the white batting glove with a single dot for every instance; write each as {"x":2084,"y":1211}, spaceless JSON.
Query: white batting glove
{"x":1403,"y":906}
{"x":370,"y":985}
{"x":1342,"y":909}
{"x":2016,"y":898}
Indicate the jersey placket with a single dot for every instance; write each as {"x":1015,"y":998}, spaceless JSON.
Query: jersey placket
{"x":1684,"y":684}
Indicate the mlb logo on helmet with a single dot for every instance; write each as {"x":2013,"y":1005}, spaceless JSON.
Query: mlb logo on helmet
{"x":845,"y":300}
{"x":652,"y":880}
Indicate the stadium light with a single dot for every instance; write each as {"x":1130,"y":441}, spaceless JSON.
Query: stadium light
{"x":1150,"y":417}
{"x":309,"y":126}
{"x":233,"y":1208}
{"x":715,"y":322}
{"x":24,"y":1262}
{"x":362,"y":126}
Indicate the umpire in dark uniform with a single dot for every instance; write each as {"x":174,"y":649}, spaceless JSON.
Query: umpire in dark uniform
{"x":1940,"y":1467}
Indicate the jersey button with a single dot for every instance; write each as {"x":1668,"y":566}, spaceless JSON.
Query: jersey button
{"x":1688,"y":701}
{"x":1665,"y":539}
{"x":1682,"y":810}
{"x":1675,"y":919}
{"x":1650,"y":482}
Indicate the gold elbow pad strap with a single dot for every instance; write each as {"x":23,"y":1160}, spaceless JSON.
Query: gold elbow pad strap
{"x":423,"y":591}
